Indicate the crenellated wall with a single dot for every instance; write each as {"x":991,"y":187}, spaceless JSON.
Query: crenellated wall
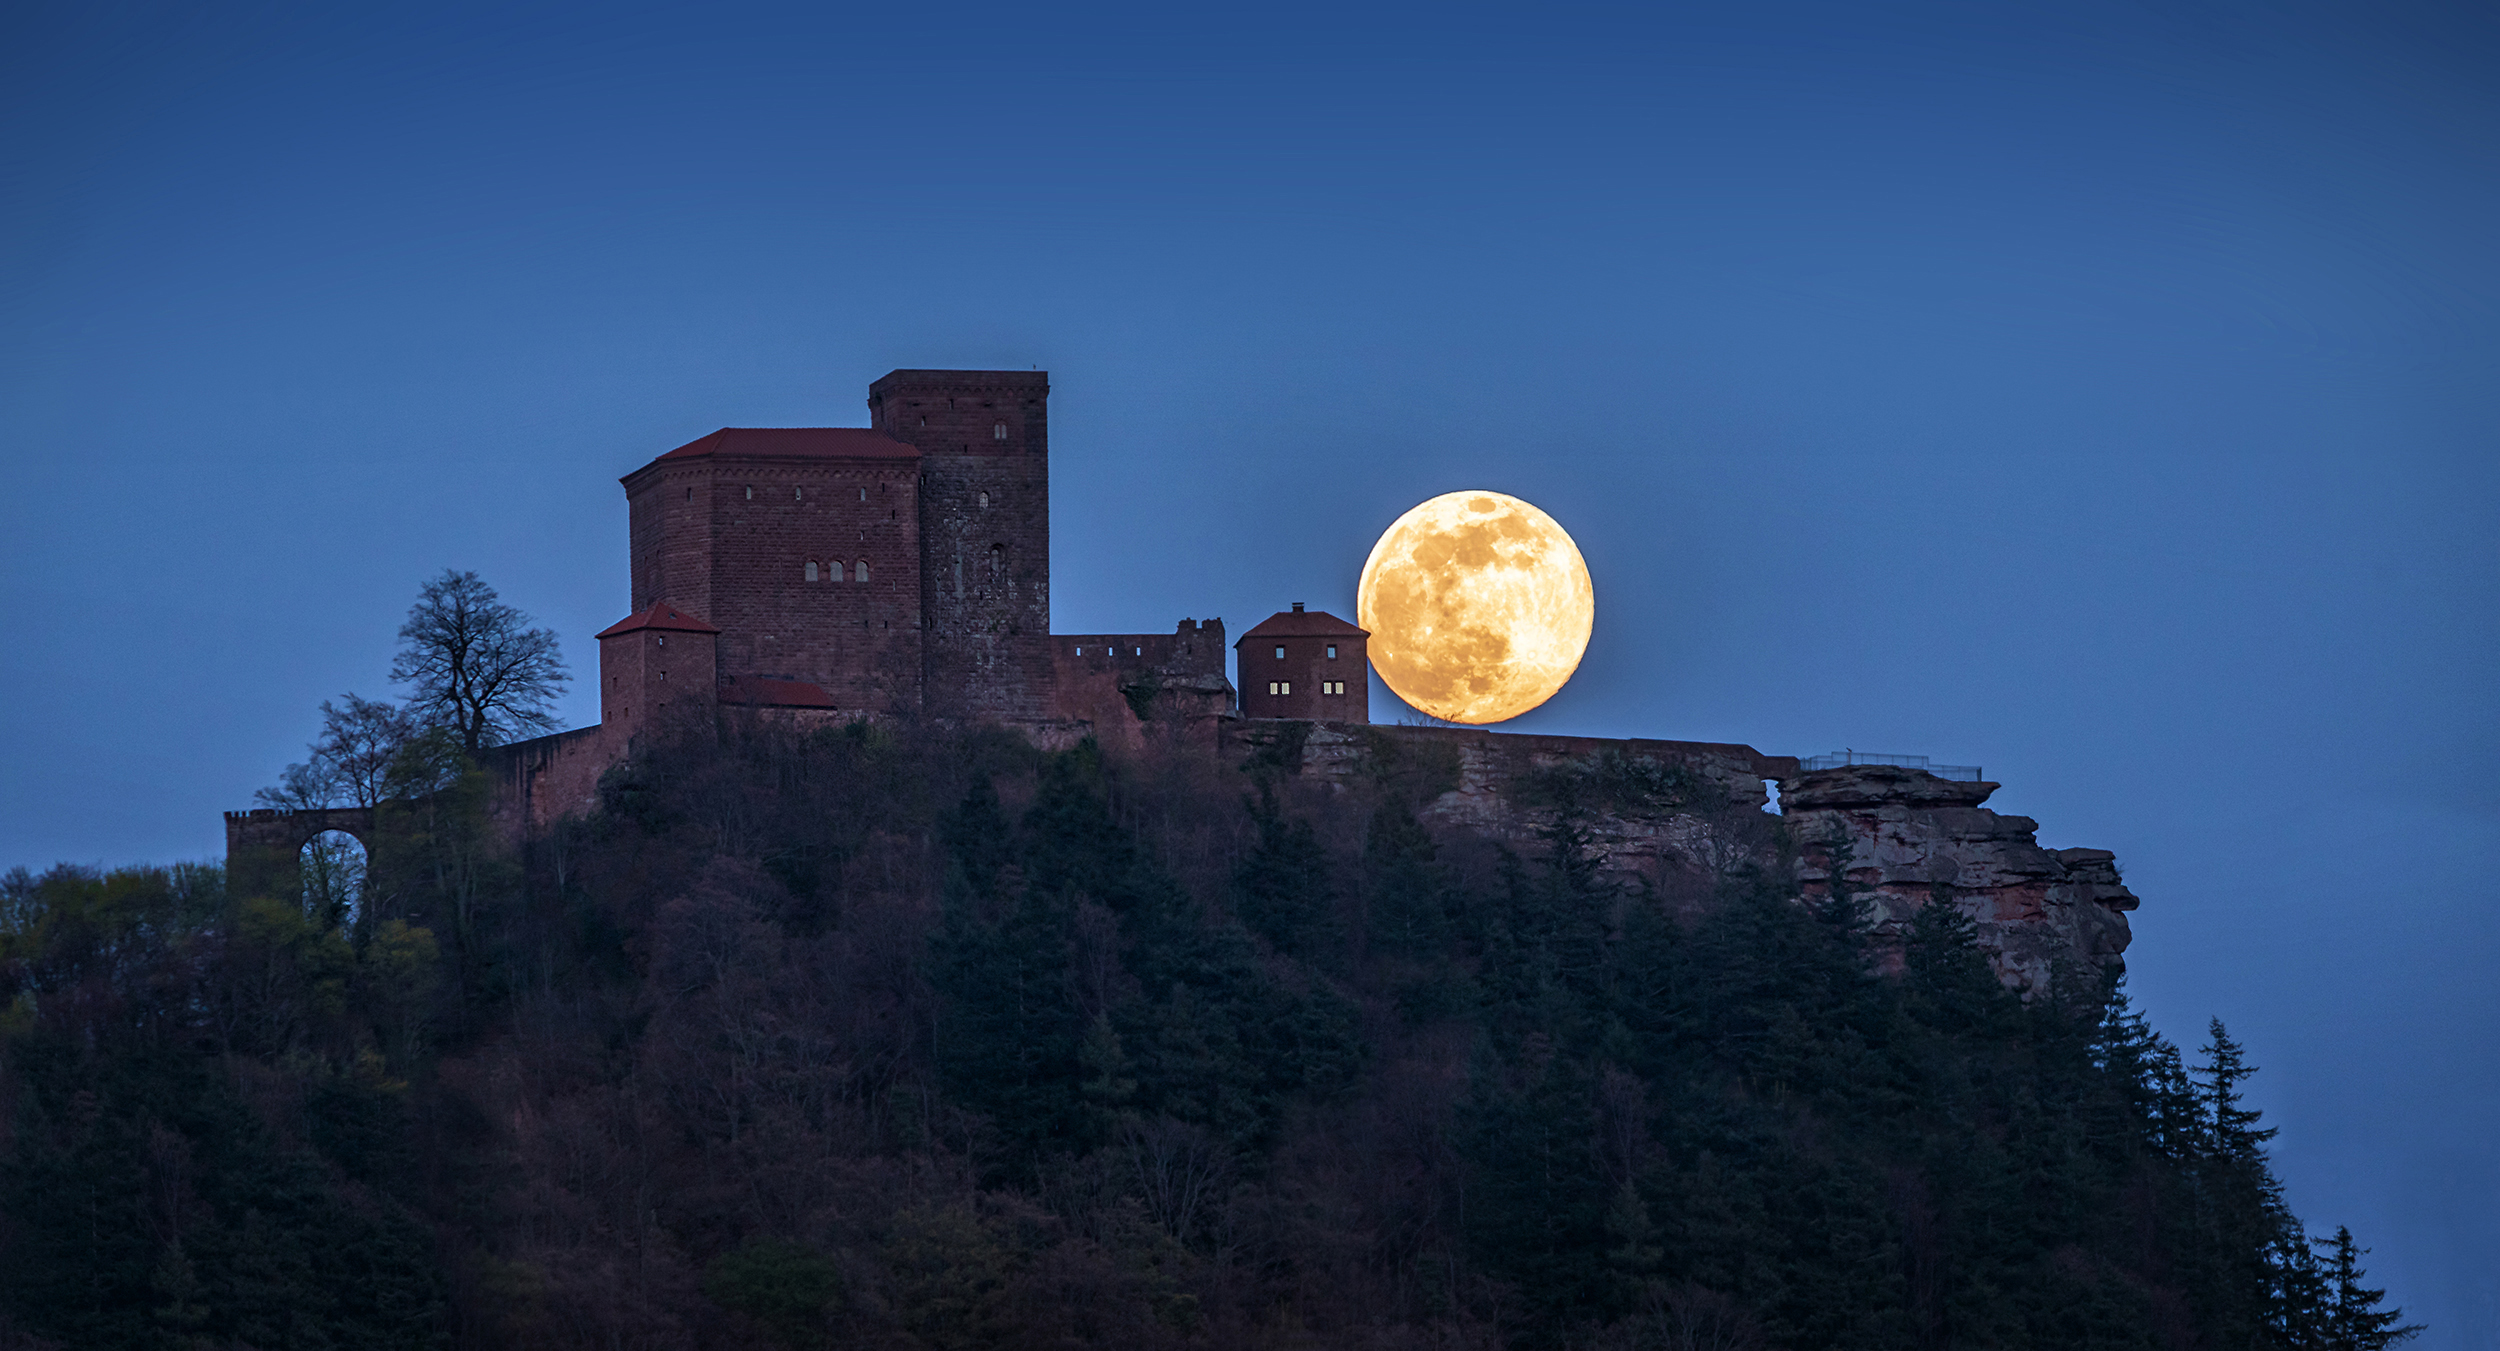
{"x":1127,"y":687}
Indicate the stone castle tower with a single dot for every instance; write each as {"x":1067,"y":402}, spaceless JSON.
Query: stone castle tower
{"x":898,"y":568}
{"x":983,"y":439}
{"x":901,"y":568}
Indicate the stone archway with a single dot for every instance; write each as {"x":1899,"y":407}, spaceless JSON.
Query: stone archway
{"x":265,"y":846}
{"x":333,"y":867}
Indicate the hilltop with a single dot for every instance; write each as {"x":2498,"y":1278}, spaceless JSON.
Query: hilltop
{"x":899,"y":1034}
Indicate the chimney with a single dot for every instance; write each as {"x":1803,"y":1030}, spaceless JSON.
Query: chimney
{"x":1297,"y":607}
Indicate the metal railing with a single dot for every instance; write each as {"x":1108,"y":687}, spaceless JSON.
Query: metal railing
{"x":1837,"y":759}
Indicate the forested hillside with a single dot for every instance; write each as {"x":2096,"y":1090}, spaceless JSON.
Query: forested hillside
{"x":902,"y":1037}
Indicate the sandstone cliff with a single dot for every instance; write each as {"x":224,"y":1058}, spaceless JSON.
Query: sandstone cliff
{"x":1913,"y":839}
{"x":1676,"y":815}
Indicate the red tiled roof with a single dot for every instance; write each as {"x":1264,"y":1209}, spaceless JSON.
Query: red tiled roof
{"x":1299,"y":623}
{"x":797,"y":443}
{"x":778,"y":693}
{"x":661,"y":615}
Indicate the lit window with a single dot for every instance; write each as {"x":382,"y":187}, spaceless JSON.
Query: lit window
{"x":1271,"y":687}
{"x":1284,"y":687}
{"x":1280,"y":654}
{"x":863,"y":571}
{"x":985,"y":499}
{"x":998,"y":431}
{"x":812,"y":571}
{"x":1140,"y":652}
{"x":1332,"y":651}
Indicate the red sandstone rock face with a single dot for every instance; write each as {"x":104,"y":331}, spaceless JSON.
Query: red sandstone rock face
{"x":1678,"y":813}
{"x":1915,"y":839}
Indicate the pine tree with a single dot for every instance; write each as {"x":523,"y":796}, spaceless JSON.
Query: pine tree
{"x":1281,"y":890}
{"x":2353,"y":1321}
{"x":2231,"y":1127}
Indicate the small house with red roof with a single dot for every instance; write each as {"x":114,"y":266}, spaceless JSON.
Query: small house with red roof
{"x":1303,"y":663}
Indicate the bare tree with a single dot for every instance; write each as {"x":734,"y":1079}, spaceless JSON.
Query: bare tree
{"x":309,"y":786}
{"x":477,"y":666}
{"x":359,"y":740}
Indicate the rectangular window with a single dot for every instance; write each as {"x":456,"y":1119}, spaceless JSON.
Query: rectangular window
{"x":1280,"y":654}
{"x":1271,"y":687}
{"x":1332,"y":651}
{"x":1284,"y":687}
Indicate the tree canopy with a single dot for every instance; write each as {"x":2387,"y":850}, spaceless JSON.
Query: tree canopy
{"x":476,"y":666}
{"x":919,"y":1037}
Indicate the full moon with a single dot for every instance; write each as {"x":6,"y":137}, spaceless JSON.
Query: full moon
{"x":1479,"y":607}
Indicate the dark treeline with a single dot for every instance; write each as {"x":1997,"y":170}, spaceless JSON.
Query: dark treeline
{"x":903,"y":1037}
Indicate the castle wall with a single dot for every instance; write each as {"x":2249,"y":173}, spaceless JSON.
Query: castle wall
{"x":265,"y":846}
{"x":545,"y":779}
{"x":668,"y":515}
{"x":1192,"y":648}
{"x":1130,"y":686}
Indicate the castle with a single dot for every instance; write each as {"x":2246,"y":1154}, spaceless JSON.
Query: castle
{"x":827,"y":574}
{"x":831,"y":574}
{"x":898,"y":569}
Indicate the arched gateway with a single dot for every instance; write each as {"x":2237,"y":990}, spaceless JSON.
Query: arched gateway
{"x":265,"y":846}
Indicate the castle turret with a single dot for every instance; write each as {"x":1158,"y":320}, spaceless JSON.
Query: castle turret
{"x":654,"y":665}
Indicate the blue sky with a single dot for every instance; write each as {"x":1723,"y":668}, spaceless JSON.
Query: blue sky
{"x":2101,"y":394}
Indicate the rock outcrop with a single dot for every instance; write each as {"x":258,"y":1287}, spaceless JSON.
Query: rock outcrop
{"x":1913,"y":839}
{"x":1679,"y":813}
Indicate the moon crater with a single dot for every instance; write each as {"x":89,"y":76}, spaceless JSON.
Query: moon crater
{"x":1479,"y":607}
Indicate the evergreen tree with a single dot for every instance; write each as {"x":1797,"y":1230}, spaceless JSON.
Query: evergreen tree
{"x":2353,"y":1320}
{"x":1281,"y":890}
